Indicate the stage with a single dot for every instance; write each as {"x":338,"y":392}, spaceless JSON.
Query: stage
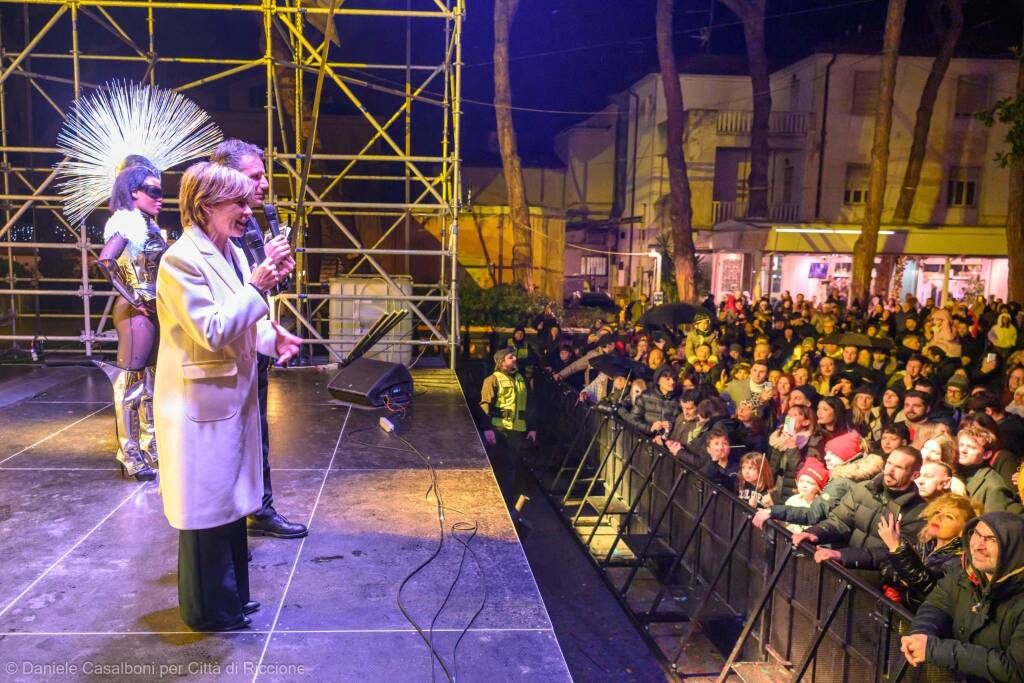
{"x":88,"y":560}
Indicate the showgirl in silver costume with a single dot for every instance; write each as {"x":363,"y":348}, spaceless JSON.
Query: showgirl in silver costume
{"x":133,"y":245}
{"x":117,"y":141}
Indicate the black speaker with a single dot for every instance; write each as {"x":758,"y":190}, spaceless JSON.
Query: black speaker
{"x":372,"y":383}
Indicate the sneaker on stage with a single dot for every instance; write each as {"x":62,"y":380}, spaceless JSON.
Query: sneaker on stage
{"x":274,"y":524}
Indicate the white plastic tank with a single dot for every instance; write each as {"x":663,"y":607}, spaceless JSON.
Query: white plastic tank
{"x":350,"y":319}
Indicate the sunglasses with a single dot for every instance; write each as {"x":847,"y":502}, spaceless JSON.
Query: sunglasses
{"x":151,"y":192}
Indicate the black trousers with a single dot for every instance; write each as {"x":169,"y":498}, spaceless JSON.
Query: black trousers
{"x":506,"y":460}
{"x":262,"y":382}
{"x":213,"y":575}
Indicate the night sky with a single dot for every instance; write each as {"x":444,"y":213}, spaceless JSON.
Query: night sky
{"x":573,"y":54}
{"x":568,"y":56}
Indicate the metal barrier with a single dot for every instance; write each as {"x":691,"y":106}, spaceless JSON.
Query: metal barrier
{"x":676,"y":548}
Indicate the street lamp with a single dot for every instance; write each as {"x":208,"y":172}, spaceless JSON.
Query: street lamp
{"x":656,"y":255}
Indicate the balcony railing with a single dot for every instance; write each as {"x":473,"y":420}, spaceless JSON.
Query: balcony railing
{"x":779,"y":123}
{"x":724,"y":211}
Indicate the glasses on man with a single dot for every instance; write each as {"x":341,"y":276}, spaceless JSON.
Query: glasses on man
{"x":151,"y":192}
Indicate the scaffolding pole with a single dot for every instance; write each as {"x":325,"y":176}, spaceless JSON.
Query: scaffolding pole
{"x":375,"y":234}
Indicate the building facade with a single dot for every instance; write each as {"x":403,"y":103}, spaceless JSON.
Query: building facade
{"x":821,"y":131}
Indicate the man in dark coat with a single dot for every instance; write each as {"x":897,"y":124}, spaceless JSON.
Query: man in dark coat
{"x":852,"y":526}
{"x":655,"y":410}
{"x":973,"y":621}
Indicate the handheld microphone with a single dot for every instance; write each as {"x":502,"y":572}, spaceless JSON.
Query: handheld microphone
{"x":254,"y":240}
{"x":272,"y":221}
{"x":275,"y":229}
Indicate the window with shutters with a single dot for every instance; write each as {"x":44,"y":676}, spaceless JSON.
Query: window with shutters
{"x":856,"y":190}
{"x":593,"y":265}
{"x":971,"y":95}
{"x":962,"y":187}
{"x":865,"y":93}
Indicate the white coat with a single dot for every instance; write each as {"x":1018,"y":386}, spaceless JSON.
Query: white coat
{"x":205,"y":399}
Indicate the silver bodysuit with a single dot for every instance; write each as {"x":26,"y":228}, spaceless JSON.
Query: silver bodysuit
{"x":138,"y":263}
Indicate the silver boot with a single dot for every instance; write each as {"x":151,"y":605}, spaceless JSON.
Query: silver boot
{"x":129,"y":386}
{"x":148,"y":428}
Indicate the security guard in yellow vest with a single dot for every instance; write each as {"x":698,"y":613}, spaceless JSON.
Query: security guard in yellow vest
{"x":507,"y":423}
{"x":526,"y":358}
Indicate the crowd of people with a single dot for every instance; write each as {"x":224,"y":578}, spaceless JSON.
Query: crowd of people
{"x":888,"y":437}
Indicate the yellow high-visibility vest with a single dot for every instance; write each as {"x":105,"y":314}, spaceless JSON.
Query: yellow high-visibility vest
{"x":510,"y":403}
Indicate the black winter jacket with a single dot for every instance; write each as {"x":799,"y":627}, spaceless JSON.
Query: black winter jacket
{"x":786,"y":463}
{"x":975,"y":626}
{"x":653,"y":406}
{"x":916,"y":571}
{"x":852,"y":527}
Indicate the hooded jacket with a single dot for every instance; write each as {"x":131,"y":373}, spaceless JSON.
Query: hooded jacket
{"x":840,"y":481}
{"x":852,"y":525}
{"x":975,"y":626}
{"x":1003,"y":338}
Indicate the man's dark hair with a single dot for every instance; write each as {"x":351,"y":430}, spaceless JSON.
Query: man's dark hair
{"x":710,"y":407}
{"x":897,"y":429}
{"x":983,"y":400}
{"x":231,"y":152}
{"x":924,"y":382}
{"x":689,"y":396}
{"x":914,"y":393}
{"x":912,"y":452}
{"x":717,"y":434}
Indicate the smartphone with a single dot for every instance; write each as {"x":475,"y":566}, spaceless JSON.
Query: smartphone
{"x":789,"y":426}
{"x":990,"y":358}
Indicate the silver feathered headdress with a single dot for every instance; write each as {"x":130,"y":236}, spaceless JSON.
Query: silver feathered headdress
{"x":122,"y":120}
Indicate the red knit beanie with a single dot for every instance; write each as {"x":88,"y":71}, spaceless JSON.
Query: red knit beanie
{"x":845,"y":446}
{"x":816,"y":470}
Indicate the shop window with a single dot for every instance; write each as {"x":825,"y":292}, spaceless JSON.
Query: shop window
{"x":856,"y":190}
{"x":971,"y":95}
{"x":865,"y":93}
{"x":962,"y":187}
{"x":593,"y":265}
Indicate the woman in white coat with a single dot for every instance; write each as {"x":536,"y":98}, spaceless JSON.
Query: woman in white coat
{"x":213,"y":320}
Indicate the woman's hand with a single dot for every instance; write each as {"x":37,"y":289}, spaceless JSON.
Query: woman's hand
{"x":287,"y":344}
{"x":265,"y":275}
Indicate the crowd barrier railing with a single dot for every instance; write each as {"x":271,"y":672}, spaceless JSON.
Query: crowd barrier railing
{"x":677,"y":549}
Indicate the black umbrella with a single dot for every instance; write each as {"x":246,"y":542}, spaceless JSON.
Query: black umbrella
{"x":599,"y":300}
{"x":617,"y":365}
{"x":855,"y":339}
{"x":882,"y":343}
{"x":673,"y":315}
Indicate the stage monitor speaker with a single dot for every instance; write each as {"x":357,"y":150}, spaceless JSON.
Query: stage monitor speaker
{"x":372,"y":383}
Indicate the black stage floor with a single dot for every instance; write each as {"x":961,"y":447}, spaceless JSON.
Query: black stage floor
{"x":87,"y":560}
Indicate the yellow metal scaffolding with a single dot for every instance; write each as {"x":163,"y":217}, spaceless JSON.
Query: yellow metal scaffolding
{"x":306,"y":180}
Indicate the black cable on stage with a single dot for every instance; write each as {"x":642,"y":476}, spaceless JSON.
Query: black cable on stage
{"x":471,"y":529}
{"x":468,"y":533}
{"x":434,"y":654}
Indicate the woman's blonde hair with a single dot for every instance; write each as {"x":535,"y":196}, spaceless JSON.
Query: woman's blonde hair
{"x":205,"y":184}
{"x":966,"y":507}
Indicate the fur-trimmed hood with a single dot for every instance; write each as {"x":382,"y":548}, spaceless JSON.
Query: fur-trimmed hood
{"x":129,"y":224}
{"x":859,"y":469}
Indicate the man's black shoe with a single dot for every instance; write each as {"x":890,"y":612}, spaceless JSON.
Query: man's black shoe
{"x":275,"y":525}
{"x":250,"y":607}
